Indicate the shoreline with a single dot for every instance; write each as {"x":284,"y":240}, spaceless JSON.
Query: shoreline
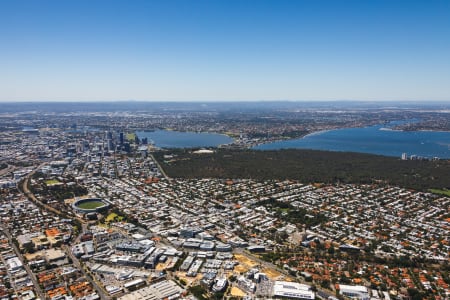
{"x":254,"y":144}
{"x":191,"y":132}
{"x":318,"y":132}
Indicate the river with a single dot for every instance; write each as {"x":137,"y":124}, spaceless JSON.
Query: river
{"x":378,"y":139}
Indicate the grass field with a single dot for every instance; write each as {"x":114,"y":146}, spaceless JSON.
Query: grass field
{"x":51,"y":182}
{"x":90,"y":204}
{"x":112,"y":216}
{"x":441,"y":192}
{"x":130,"y":137}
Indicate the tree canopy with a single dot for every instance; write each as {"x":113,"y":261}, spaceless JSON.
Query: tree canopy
{"x":307,"y":166}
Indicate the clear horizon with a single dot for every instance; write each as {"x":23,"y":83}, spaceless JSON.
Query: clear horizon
{"x":225,"y":101}
{"x":424,"y":101}
{"x":178,"y":51}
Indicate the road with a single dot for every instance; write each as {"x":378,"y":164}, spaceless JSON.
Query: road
{"x":262,"y":263}
{"x":25,"y":265}
{"x":103,"y":294}
{"x":31,"y":196}
{"x":98,"y":287}
{"x":320,"y":292}
{"x":324,"y":294}
{"x":7,"y":170}
{"x":159,"y":167}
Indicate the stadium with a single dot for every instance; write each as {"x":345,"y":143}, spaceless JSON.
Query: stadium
{"x":89,"y":205}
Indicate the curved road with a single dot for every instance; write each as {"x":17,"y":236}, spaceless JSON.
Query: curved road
{"x":31,"y":196}
{"x":68,"y":251}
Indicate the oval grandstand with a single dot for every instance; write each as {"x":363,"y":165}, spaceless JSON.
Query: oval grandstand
{"x":89,"y":205}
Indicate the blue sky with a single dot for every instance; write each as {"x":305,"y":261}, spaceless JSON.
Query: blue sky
{"x":224,"y":50}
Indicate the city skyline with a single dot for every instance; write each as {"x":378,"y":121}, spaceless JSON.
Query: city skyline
{"x":225,"y":51}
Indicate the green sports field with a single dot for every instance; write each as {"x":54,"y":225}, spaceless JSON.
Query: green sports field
{"x":51,"y":182}
{"x":90,"y":204}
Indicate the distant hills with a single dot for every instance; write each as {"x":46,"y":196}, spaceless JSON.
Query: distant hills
{"x":243,"y":106}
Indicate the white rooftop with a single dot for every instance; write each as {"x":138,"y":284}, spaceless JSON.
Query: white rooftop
{"x":292,"y":290}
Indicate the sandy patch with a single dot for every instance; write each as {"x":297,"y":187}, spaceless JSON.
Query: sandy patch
{"x":245,"y":263}
{"x":236,"y":292}
{"x":271,"y":273}
{"x":189,"y":280}
{"x":163,"y":266}
{"x":35,"y":255}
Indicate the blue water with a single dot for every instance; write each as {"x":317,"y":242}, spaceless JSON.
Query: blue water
{"x":374,"y":139}
{"x":177,"y":139}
